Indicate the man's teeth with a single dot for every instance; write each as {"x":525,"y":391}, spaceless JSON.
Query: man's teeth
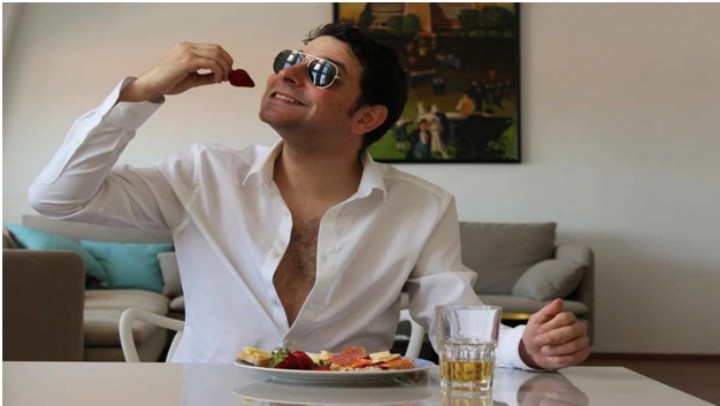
{"x":286,"y":98}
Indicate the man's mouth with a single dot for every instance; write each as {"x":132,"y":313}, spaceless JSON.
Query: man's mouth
{"x":286,"y":98}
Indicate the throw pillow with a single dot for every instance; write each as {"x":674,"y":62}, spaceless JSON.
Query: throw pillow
{"x":129,"y":265}
{"x":34,"y":239}
{"x":549,"y":279}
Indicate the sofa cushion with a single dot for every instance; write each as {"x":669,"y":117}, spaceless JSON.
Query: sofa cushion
{"x":513,"y":304}
{"x":103,"y":309}
{"x":83,"y":231}
{"x":129,"y":265}
{"x":549,"y":279}
{"x":34,"y":239}
{"x":501,"y":252}
{"x":170,"y":274}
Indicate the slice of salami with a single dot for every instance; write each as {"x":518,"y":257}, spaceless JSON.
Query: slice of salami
{"x":349,"y":355}
{"x":239,"y":77}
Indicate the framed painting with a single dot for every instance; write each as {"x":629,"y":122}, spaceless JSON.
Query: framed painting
{"x":464,"y":68}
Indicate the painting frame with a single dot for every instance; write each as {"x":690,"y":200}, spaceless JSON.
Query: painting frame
{"x":469,"y":52}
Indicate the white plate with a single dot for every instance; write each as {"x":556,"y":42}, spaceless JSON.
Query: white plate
{"x":339,"y":376}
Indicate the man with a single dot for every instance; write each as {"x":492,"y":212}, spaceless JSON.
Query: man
{"x":306,"y":245}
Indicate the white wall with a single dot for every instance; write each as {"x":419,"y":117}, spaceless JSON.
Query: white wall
{"x":620,"y":139}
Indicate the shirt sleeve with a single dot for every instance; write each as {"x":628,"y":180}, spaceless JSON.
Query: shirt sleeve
{"x":440,"y":278}
{"x":80,"y":183}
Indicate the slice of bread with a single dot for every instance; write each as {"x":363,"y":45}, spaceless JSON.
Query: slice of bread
{"x":255,"y":357}
{"x":397,"y":364}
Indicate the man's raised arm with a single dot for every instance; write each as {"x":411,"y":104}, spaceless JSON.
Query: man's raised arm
{"x":80,"y":183}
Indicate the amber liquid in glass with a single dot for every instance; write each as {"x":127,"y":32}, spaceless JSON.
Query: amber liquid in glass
{"x":467,"y":366}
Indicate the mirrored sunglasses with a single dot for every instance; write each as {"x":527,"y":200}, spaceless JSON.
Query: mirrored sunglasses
{"x":322,"y":73}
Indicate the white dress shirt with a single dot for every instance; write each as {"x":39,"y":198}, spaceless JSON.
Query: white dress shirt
{"x":231,"y":228}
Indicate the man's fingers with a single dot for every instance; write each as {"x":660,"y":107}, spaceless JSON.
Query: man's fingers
{"x":206,"y":63}
{"x":562,"y":361}
{"x":569,"y":347}
{"x":559,"y":320}
{"x":546,"y":313}
{"x":561,"y":335}
{"x":216,"y":53}
{"x":200,"y":79}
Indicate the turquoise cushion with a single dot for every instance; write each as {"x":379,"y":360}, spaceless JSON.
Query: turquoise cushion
{"x":129,"y":265}
{"x":34,"y":239}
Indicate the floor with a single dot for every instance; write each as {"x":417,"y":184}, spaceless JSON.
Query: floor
{"x":697,"y":378}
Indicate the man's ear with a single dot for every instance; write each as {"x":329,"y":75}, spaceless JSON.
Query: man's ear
{"x":368,"y":118}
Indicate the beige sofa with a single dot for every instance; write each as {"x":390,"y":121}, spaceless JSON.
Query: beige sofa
{"x":504,"y":255}
{"x":86,"y":321}
{"x":521,"y":267}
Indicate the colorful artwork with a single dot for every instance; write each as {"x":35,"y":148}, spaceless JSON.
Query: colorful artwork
{"x":463,"y":62}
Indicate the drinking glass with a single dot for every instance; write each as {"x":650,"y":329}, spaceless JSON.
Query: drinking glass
{"x":467,"y":337}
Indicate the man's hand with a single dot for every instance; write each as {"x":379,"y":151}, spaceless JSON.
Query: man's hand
{"x":554,"y":339}
{"x":178,"y":72}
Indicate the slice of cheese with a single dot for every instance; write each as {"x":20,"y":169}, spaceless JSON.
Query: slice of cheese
{"x":323,"y":356}
{"x":383,"y":356}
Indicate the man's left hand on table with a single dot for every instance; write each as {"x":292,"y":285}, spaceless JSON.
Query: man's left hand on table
{"x":554,"y":339}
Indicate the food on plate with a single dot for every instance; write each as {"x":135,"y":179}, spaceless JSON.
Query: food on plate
{"x":255,"y":356}
{"x":351,"y":358}
{"x":238,"y":77}
{"x":285,"y":359}
{"x":350,"y":355}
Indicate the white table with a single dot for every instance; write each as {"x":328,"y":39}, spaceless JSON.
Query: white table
{"x":66,"y":383}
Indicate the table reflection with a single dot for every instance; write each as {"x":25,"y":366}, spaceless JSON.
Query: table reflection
{"x":230,"y":385}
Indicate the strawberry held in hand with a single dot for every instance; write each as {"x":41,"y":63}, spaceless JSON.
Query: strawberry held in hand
{"x":240,"y":78}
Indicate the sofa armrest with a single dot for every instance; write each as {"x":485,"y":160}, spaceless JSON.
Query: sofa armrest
{"x":585,"y":256}
{"x":585,"y":293}
{"x":43,"y":301}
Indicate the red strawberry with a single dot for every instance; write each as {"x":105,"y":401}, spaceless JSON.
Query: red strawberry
{"x":282,"y":359}
{"x":238,"y":77}
{"x":303,"y":359}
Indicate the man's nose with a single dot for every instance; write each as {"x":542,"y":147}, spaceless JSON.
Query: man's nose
{"x":294,"y":75}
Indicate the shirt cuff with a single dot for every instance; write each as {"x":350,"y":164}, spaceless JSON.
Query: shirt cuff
{"x":127,"y":115}
{"x":508,"y":352}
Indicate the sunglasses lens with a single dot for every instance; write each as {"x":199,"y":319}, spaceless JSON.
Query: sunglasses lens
{"x":322,"y":73}
{"x":286,"y":59}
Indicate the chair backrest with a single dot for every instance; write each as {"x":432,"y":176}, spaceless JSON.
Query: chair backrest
{"x":126,"y":338}
{"x":131,"y":315}
{"x":417,"y":334}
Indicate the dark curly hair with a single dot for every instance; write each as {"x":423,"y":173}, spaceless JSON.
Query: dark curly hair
{"x":383,"y":81}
